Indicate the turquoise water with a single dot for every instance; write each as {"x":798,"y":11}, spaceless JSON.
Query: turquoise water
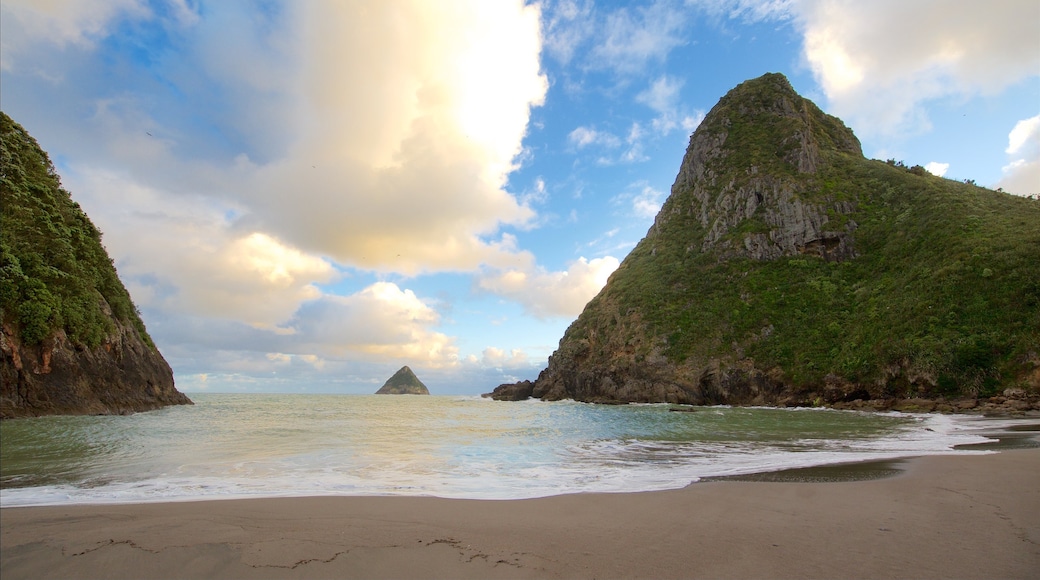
{"x":467,"y":447}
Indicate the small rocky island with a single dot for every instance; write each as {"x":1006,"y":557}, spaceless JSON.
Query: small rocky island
{"x":404,"y":382}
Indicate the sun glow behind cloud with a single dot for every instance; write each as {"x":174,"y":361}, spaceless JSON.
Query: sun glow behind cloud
{"x":381,"y":138}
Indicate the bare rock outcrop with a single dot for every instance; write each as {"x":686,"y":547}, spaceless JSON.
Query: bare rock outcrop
{"x":123,"y":375}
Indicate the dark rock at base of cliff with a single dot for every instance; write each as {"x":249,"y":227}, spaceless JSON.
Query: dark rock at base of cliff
{"x":512,"y":392}
{"x":121,"y":376}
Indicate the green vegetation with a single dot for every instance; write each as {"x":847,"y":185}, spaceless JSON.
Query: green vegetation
{"x":54,"y":272}
{"x":404,"y":382}
{"x":943,"y":297}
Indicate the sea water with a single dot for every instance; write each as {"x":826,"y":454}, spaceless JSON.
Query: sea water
{"x":232,"y":446}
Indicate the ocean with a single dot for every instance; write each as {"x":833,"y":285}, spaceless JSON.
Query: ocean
{"x":238,"y":445}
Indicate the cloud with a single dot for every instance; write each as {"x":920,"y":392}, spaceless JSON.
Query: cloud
{"x":584,"y":136}
{"x":1024,"y":138}
{"x":879,"y":61}
{"x":647,"y":203}
{"x":413,"y":115}
{"x":634,"y":37}
{"x":274,"y":146}
{"x":493,"y":357}
{"x":380,"y":136}
{"x":936,"y":168}
{"x":28,"y":25}
{"x":184,"y":255}
{"x":548,"y":294}
{"x":748,"y":11}
{"x":1022,"y":174}
{"x":623,"y":41}
{"x":662,"y":96}
{"x":382,"y":321}
{"x":641,"y":200}
{"x":567,"y":24}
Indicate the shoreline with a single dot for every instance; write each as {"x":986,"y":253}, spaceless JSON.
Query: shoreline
{"x":943,"y":516}
{"x":1003,"y":433}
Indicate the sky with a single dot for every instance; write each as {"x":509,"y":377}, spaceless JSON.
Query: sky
{"x":307,"y":196}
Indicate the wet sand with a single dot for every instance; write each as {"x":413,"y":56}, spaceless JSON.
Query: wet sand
{"x":941,"y":517}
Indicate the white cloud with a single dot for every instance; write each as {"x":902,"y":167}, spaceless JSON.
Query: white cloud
{"x":647,"y":203}
{"x":379,"y":135}
{"x":584,"y":136}
{"x":26,"y":25}
{"x":404,"y":170}
{"x":936,"y":168}
{"x":640,"y":199}
{"x":879,"y":61}
{"x":547,"y":294}
{"x":494,"y":357}
{"x":1022,"y":174}
{"x":662,"y":96}
{"x":182,"y":254}
{"x":382,"y":321}
{"x":691,"y":122}
{"x":748,"y":11}
{"x":1024,"y":138}
{"x":567,"y":24}
{"x":623,"y":41}
{"x":633,"y":38}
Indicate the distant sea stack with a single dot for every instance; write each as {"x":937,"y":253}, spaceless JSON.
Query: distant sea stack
{"x":72,"y":342}
{"x":404,"y":382}
{"x":786,"y":269}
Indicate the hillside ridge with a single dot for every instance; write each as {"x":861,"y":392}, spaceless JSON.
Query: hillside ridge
{"x":787,"y":269}
{"x":72,"y":341}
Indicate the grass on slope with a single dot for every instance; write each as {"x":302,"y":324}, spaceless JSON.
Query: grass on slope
{"x":947,"y":286}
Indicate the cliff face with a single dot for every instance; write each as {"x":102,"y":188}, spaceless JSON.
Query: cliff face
{"x":122,"y":375}
{"x":786,"y":269}
{"x":71,"y":341}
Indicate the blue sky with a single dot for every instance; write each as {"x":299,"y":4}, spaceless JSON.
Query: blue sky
{"x":305,"y":196}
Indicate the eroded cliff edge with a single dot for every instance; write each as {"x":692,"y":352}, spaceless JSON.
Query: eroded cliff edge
{"x":787,"y":269}
{"x":72,"y":342}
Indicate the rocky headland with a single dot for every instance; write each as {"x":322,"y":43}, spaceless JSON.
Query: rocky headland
{"x":786,"y":269}
{"x":72,"y":342}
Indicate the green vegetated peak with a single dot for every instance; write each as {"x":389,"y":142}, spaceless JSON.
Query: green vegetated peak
{"x":404,"y":382}
{"x":789,"y":263}
{"x":55,"y":275}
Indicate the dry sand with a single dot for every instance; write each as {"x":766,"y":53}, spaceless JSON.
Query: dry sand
{"x":945,"y":517}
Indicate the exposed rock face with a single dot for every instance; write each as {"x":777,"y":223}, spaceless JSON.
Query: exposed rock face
{"x":512,"y":391}
{"x":722,"y":202}
{"x":123,"y":375}
{"x":404,"y":382}
{"x":775,"y":223}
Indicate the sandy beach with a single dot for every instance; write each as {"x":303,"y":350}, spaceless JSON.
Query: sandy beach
{"x":943,"y":517}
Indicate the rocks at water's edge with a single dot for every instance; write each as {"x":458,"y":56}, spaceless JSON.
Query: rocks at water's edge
{"x":121,"y":376}
{"x":512,"y":391}
{"x":404,"y":382}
